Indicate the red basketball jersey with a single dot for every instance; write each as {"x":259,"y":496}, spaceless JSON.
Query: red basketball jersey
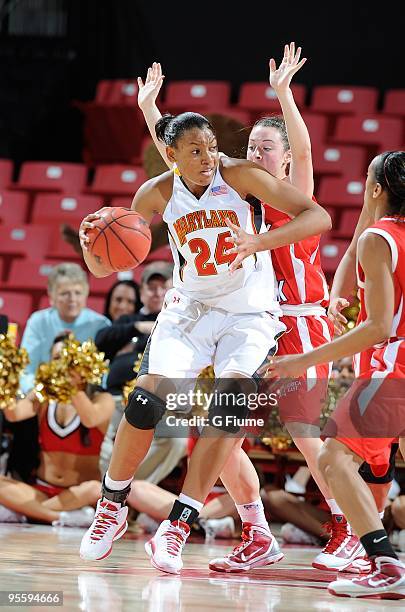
{"x":393,"y":230}
{"x":297,"y":267}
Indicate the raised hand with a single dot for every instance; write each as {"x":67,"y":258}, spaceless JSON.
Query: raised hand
{"x":280,"y":78}
{"x":148,"y":91}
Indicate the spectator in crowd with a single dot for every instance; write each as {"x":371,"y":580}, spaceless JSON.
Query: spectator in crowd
{"x":70,"y":436}
{"x":68,"y":290}
{"x":123,"y":343}
{"x":122,"y":299}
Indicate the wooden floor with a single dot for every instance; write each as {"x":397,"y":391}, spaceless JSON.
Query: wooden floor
{"x":41,"y":558}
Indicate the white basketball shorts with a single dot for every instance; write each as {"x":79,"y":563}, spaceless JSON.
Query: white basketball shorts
{"x":189,"y":336}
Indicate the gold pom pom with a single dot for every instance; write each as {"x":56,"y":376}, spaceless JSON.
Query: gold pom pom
{"x":13,"y":360}
{"x":79,"y":363}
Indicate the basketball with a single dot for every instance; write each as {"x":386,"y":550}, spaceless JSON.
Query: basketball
{"x":121,"y":239}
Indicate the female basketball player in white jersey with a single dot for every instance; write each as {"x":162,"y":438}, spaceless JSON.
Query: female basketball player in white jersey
{"x":211,"y":316}
{"x":282,"y":145}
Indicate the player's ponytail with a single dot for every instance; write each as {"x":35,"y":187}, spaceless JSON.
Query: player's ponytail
{"x":390,"y":173}
{"x":161,"y":127}
{"x":170,"y":128}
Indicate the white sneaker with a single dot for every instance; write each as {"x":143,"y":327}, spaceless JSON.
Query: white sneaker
{"x":166,"y":546}
{"x":109,"y":524}
{"x":342,"y":549}
{"x":385,"y":581}
{"x":258,"y":547}
{"x":294,"y":535}
{"x":218,"y":528}
{"x":83,"y":517}
{"x":9,"y":516}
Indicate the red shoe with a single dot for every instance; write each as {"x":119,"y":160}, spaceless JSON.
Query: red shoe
{"x":342,"y":548}
{"x":362,"y":565}
{"x":258,"y":547}
{"x":385,"y":581}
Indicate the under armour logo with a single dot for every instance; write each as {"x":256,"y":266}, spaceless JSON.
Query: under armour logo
{"x":176,"y":299}
{"x":144,"y":400}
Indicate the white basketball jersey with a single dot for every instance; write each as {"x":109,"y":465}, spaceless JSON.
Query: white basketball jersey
{"x":197,"y":232}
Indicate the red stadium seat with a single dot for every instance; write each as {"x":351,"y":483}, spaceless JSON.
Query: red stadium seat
{"x":6,"y":173}
{"x":259,"y":98}
{"x":17,"y":306}
{"x":13,"y":208}
{"x":124,"y":202}
{"x":372,"y":130}
{"x":341,"y":192}
{"x":341,"y":160}
{"x":30,"y":275}
{"x":244,"y":117}
{"x":24,"y":240}
{"x":163,"y":253}
{"x":347,"y":224}
{"x":192,"y":95}
{"x":60,"y":249}
{"x":117,"y":180}
{"x":317,"y":127}
{"x":332,"y":252}
{"x":342,"y":99}
{"x":95,"y":303}
{"x":394,"y":102}
{"x":101,"y":286}
{"x":117,"y":91}
{"x":52,"y":176}
{"x":55,"y":209}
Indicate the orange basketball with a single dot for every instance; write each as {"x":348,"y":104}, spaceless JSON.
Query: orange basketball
{"x":121,"y":239}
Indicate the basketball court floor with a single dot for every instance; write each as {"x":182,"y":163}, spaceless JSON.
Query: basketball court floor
{"x":42,"y":558}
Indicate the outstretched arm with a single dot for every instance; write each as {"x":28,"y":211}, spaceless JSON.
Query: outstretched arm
{"x":301,"y":170}
{"x":308,"y":218}
{"x":375,"y":259}
{"x":147,"y":94}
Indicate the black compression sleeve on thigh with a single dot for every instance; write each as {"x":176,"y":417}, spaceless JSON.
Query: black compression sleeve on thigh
{"x":144,"y":409}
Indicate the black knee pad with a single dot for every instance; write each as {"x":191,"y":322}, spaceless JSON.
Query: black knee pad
{"x":230,"y":404}
{"x":368,"y":476}
{"x":144,"y":409}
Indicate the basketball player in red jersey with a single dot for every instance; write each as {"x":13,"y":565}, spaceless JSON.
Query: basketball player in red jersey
{"x":375,"y":404}
{"x":70,"y":438}
{"x":283,"y":147}
{"x":344,"y":285}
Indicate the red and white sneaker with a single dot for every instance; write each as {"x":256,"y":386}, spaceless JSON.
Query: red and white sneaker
{"x":166,"y":546}
{"x":258,"y":547}
{"x":343,"y":546}
{"x":109,"y":524}
{"x":362,"y":565}
{"x":385,"y":581}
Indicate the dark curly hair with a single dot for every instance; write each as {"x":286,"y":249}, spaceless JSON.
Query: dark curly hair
{"x":389,"y":171}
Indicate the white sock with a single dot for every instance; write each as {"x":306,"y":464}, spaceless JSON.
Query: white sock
{"x":116,"y":485}
{"x":189,"y":501}
{"x":334,"y":508}
{"x":253,"y":512}
{"x":381,"y":514}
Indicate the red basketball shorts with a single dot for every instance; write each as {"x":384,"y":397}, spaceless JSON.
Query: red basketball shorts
{"x":371,"y":416}
{"x":301,"y":400}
